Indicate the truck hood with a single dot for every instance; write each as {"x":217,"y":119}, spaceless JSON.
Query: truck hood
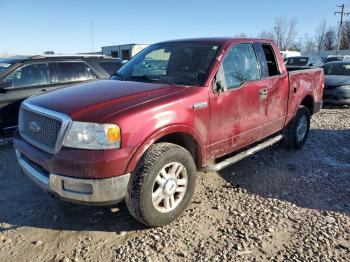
{"x":94,"y":101}
{"x":336,"y":80}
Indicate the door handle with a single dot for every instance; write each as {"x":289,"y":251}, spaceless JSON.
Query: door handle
{"x":43,"y":90}
{"x":263,"y":93}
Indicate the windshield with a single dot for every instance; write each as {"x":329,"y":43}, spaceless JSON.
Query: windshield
{"x":297,"y":61}
{"x":182,"y":63}
{"x":337,"y":69}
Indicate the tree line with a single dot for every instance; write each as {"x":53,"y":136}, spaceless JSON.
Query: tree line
{"x":284,"y":33}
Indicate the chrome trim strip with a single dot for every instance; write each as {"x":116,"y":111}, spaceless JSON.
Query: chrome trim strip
{"x":234,"y":159}
{"x":200,"y":105}
{"x":65,"y":120}
{"x":9,"y":128}
{"x":32,"y":173}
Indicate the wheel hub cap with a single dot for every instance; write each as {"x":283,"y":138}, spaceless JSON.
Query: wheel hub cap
{"x":302,"y":128}
{"x":170,"y":186}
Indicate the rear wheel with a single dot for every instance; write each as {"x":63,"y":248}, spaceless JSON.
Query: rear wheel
{"x":162,"y":185}
{"x":297,"y":131}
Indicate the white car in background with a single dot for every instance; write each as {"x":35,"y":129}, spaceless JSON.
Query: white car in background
{"x":286,"y":54}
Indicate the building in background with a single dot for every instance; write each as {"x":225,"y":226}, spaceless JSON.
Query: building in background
{"x":124,"y":52}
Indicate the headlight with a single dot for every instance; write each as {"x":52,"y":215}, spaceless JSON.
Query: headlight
{"x":93,"y":136}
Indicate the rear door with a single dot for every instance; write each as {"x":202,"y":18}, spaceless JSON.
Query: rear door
{"x":243,"y":101}
{"x":277,"y":88}
{"x":71,"y":72}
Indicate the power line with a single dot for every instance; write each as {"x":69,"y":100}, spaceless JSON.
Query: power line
{"x":342,"y":15}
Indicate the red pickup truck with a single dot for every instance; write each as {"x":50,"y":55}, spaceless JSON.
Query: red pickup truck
{"x":171,"y":110}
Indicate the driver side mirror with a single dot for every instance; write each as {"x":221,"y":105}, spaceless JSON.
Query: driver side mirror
{"x":6,"y":86}
{"x":218,"y":87}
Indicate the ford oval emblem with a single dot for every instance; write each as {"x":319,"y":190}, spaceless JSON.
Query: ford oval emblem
{"x":34,"y":126}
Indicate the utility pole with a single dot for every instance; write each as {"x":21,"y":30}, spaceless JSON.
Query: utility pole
{"x":278,"y":40}
{"x":92,"y":36}
{"x":342,"y":15}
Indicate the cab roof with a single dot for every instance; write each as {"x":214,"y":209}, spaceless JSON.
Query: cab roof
{"x":219,"y":40}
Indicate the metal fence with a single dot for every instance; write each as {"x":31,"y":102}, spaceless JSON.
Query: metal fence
{"x":327,"y":53}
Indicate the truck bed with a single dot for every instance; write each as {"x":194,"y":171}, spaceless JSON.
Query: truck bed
{"x":307,"y":81}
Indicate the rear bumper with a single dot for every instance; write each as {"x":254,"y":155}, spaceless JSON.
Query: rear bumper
{"x":88,"y":191}
{"x":339,"y":95}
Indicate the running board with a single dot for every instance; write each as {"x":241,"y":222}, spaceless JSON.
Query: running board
{"x":234,"y":159}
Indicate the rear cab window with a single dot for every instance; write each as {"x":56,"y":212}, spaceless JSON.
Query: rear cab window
{"x":297,"y":61}
{"x":267,"y":59}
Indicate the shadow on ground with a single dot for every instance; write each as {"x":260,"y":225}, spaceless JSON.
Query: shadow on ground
{"x":22,"y":203}
{"x":316,"y":176}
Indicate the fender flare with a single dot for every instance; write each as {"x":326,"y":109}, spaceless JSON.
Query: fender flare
{"x":310,"y":93}
{"x":142,"y":148}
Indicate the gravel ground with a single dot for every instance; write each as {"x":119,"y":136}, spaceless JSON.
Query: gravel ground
{"x":278,"y":205}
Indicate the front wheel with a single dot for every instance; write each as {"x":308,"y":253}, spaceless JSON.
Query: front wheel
{"x":297,"y":131}
{"x":162,"y":184}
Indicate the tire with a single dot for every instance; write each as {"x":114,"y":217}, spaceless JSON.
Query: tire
{"x":297,"y":131}
{"x":148,"y":185}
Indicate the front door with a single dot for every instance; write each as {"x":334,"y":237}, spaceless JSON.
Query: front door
{"x":240,"y":109}
{"x":28,"y":80}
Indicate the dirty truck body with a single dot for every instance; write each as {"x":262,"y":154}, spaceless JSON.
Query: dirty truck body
{"x":170,"y":111}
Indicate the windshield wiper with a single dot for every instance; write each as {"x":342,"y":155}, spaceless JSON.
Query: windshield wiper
{"x":150,"y":78}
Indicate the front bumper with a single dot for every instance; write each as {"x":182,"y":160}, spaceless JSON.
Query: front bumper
{"x":77,"y":163}
{"x":88,"y":191}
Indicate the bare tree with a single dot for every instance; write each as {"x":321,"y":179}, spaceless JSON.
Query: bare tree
{"x":242,"y":35}
{"x":267,"y":35}
{"x":285,"y":32}
{"x":296,"y":46}
{"x":320,"y":35}
{"x":310,"y":44}
{"x":330,"y":39}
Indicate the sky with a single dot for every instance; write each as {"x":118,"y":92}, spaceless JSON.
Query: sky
{"x":64,"y":26}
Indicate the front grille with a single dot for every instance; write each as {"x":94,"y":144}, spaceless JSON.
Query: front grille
{"x":42,"y":129}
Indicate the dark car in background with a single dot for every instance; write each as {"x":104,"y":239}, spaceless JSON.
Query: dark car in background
{"x":22,"y":77}
{"x":334,"y":58}
{"x":303,"y":62}
{"x":337,"y":83}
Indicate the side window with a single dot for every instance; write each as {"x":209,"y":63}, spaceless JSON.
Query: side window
{"x":240,"y":65}
{"x":271,"y":61}
{"x":73,"y":71}
{"x":30,"y":75}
